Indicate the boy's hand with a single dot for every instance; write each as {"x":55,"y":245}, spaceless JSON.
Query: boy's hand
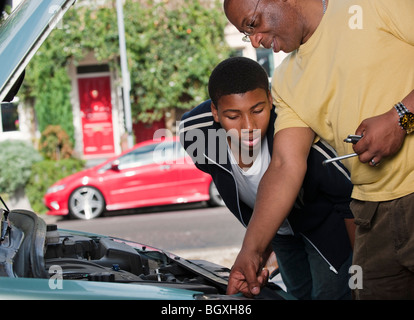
{"x":247,"y":275}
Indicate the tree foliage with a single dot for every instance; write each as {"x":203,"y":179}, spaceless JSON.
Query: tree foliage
{"x":172,"y":53}
{"x":171,"y":48}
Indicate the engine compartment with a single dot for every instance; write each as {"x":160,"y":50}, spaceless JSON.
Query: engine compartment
{"x":112,"y":260}
{"x":31,"y":249}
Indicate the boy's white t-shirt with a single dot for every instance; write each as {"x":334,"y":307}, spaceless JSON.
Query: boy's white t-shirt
{"x":248,"y":179}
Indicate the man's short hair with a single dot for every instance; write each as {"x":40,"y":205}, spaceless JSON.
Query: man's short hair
{"x":236,"y":75}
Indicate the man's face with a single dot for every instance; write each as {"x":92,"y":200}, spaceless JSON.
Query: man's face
{"x":245,"y":117}
{"x":277,"y":24}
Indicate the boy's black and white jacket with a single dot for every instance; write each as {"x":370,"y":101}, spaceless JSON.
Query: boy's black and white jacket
{"x":321,"y":206}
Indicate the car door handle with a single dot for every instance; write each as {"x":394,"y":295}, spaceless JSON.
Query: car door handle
{"x":165,"y":167}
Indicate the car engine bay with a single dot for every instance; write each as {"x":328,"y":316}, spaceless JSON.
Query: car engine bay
{"x":112,"y":260}
{"x":29,"y":248}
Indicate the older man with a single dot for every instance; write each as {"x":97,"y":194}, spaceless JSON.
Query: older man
{"x":350,"y":71}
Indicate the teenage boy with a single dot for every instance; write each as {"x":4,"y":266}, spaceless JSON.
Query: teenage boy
{"x":230,"y":137}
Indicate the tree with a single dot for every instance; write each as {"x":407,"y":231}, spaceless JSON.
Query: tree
{"x":171,"y":46}
{"x":172,"y":54}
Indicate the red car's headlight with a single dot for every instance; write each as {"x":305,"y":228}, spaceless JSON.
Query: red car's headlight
{"x":55,"y":188}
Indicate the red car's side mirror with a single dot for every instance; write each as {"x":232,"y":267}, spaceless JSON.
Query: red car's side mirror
{"x":115,"y":165}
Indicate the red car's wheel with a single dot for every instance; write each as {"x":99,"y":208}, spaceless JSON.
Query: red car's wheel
{"x":215,"y":197}
{"x":86,"y":203}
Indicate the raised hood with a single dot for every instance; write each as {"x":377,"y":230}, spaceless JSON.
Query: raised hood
{"x":21,"y":35}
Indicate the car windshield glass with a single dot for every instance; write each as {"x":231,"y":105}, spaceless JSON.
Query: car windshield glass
{"x":137,"y":157}
{"x":167,"y":152}
{"x":159,"y":153}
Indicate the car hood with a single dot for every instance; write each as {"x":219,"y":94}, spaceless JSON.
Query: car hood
{"x":21,"y":35}
{"x":40,"y":261}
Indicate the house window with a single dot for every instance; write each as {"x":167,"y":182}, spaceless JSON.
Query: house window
{"x":266,"y":60}
{"x":9,"y":117}
{"x":265,"y":57}
{"x":95,"y":68}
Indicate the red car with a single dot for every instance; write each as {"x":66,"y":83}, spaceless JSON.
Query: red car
{"x":152,"y":173}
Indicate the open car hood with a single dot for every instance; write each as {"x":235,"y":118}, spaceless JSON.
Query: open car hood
{"x":91,"y":266}
{"x":21,"y":35}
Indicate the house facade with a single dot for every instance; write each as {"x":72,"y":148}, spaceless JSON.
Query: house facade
{"x":98,"y":108}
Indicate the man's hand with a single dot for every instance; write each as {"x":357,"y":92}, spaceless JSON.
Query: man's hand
{"x":247,"y":275}
{"x":382,"y":137}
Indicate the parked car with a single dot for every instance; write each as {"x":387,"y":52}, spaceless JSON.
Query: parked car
{"x":152,"y":173}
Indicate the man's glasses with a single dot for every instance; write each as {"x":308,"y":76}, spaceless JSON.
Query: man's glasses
{"x":250,"y":27}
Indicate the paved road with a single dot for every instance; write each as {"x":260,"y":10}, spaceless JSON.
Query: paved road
{"x":189,"y":229}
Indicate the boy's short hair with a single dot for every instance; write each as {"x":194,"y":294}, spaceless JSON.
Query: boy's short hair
{"x":236,"y":75}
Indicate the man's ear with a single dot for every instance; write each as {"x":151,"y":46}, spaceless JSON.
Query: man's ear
{"x":270,"y":98}
{"x":214,"y":111}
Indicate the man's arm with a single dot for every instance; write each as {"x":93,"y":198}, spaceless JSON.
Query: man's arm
{"x":276,"y":195}
{"x":382,"y":135}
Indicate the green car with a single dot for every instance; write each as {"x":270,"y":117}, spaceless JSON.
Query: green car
{"x":38,"y":261}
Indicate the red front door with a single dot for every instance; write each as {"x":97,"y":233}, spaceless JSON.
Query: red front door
{"x":96,"y":115}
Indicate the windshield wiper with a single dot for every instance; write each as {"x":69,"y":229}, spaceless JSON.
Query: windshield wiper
{"x":5,"y":221}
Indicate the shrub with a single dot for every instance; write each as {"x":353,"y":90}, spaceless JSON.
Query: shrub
{"x":44,"y":174}
{"x":17,"y":159}
{"x":55,"y":143}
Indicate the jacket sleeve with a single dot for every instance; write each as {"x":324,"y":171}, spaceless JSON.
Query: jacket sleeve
{"x":332,"y":181}
{"x":192,"y":138}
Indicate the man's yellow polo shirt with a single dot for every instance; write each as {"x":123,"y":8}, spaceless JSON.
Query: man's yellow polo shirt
{"x":357,"y":64}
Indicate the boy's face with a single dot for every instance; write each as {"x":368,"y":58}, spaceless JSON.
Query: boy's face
{"x":245,"y":117}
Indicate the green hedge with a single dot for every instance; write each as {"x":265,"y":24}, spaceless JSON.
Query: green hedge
{"x":44,"y":174}
{"x":17,"y":159}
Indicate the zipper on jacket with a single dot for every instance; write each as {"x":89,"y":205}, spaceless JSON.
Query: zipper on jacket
{"x":331,"y":267}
